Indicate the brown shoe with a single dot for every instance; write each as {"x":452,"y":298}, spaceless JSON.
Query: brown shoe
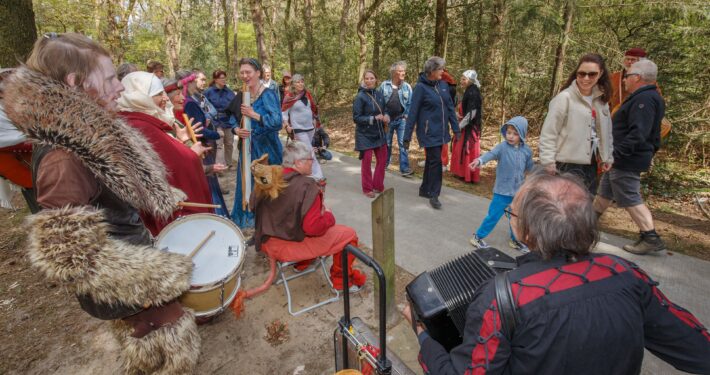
{"x":646,"y":244}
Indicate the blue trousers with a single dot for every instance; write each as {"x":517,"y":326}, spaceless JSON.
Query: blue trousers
{"x":397,"y":126}
{"x":495,"y":212}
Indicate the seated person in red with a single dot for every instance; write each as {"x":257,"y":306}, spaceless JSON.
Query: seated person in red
{"x":296,"y":225}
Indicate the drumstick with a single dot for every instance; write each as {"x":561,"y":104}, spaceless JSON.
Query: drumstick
{"x":201,"y":245}
{"x":201,"y":205}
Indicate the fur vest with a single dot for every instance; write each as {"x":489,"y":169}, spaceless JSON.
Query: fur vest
{"x":73,"y":244}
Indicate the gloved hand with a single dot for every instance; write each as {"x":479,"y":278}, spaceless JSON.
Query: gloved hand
{"x":406,"y":145}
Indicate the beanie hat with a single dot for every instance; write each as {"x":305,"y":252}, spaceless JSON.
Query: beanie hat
{"x":636,"y":52}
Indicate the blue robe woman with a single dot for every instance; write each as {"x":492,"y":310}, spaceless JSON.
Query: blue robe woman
{"x":200,"y":113}
{"x":264,"y":140}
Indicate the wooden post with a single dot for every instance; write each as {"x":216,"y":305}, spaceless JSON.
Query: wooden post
{"x":383,"y":249}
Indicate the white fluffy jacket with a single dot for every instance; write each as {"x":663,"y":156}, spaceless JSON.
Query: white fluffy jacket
{"x":567,"y":131}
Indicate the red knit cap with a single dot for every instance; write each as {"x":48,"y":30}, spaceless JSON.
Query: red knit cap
{"x":636,"y":52}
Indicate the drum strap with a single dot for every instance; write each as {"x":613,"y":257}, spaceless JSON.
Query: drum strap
{"x":506,"y":305}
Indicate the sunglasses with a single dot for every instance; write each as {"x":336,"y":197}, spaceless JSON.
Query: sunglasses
{"x":508,"y":211}
{"x":587,"y":74}
{"x":627,"y":75}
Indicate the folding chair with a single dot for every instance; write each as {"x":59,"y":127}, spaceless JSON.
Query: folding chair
{"x":283,"y":279}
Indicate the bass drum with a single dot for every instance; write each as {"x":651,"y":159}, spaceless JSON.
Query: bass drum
{"x":216,"y":275}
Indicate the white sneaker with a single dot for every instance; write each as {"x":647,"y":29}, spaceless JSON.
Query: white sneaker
{"x":477,"y":242}
{"x":517,"y":245}
{"x":421,"y":163}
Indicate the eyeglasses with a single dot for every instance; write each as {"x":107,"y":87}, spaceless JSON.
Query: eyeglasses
{"x":627,"y":75}
{"x":587,"y":74}
{"x":509,"y":211}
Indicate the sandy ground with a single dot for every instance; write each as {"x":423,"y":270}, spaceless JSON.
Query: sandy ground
{"x":45,"y":331}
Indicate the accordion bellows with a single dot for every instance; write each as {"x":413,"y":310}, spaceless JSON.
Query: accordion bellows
{"x":440,"y":297}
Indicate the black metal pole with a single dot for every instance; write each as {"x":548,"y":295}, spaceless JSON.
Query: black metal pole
{"x":384,"y":367}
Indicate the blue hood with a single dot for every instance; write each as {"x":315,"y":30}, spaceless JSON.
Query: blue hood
{"x":521,"y":125}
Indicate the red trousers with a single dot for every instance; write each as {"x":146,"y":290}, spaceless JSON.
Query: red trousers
{"x":370,"y":183}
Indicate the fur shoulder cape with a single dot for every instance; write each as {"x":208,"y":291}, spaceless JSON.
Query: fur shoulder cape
{"x":71,"y":244}
{"x":51,"y":113}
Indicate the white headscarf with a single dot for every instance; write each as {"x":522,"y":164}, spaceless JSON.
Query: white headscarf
{"x":473,"y":77}
{"x":138,"y":97}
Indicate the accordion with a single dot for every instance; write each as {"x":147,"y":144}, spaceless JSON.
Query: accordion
{"x":440,"y":297}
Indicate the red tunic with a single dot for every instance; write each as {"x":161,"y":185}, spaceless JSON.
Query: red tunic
{"x":183,"y":166}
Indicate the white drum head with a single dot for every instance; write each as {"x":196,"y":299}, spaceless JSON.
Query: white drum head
{"x":213,"y":263}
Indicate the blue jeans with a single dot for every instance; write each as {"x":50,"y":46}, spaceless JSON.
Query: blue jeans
{"x":495,"y":212}
{"x":397,"y":126}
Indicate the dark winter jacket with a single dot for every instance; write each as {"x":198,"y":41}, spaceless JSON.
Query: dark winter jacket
{"x":637,"y":129}
{"x":369,"y":133}
{"x":594,"y":316}
{"x":193,"y":110}
{"x":431,"y":112}
{"x":220,"y":99}
{"x":472,"y":100}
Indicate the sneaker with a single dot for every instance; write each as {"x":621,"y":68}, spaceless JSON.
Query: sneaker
{"x":421,"y":163}
{"x":478,"y":243}
{"x":434,"y":202}
{"x":407,"y":173}
{"x":517,"y":245}
{"x":355,"y":288}
{"x":646,"y":244}
{"x":370,"y":194}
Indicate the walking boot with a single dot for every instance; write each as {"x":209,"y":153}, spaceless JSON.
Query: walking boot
{"x":648,"y":242}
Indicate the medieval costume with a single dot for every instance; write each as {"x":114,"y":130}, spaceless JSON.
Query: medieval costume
{"x":468,"y":148}
{"x":201,"y":110}
{"x":295,"y":226}
{"x":264,"y":140}
{"x":93,"y":175}
{"x":183,"y":166}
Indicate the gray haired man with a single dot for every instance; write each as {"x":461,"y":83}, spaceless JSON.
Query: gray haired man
{"x":398,"y":97}
{"x":637,"y":136}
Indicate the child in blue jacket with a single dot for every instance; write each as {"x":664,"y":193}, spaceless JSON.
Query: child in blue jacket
{"x":514,"y":159}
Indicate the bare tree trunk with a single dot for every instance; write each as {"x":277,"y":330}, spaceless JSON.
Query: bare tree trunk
{"x":289,"y":38}
{"x":118,"y":26}
{"x":97,"y":17}
{"x":258,"y":20}
{"x":377,"y":31}
{"x":172,"y":27}
{"x":494,"y":59}
{"x":440,"y":29}
{"x":343,"y":28}
{"x":17,"y":32}
{"x":235,"y":38}
{"x":225,"y":13}
{"x":479,"y":37}
{"x":562,"y":49}
{"x":364,"y":15}
{"x":310,"y":44}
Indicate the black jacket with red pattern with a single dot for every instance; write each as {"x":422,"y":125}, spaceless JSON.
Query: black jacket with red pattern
{"x":594,"y":316}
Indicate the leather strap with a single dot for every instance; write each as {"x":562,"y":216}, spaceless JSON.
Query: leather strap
{"x":506,"y":305}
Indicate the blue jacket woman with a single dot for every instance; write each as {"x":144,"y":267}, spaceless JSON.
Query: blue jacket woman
{"x":369,"y":114}
{"x":369,"y":133}
{"x":431,"y":112}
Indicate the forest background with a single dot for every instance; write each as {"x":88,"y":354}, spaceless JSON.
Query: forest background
{"x":522,"y":49}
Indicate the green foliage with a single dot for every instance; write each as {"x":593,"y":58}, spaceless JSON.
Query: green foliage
{"x":514,"y":60}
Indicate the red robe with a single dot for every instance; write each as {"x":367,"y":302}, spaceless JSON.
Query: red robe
{"x":183,"y":166}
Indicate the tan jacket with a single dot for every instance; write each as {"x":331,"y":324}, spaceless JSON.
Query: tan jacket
{"x":566,"y":134}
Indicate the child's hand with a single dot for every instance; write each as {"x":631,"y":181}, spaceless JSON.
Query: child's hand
{"x":475,"y":164}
